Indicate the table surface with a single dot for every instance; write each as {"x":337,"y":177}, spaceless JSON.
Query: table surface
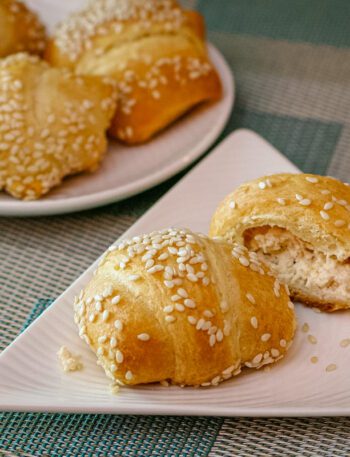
{"x":292,"y":66}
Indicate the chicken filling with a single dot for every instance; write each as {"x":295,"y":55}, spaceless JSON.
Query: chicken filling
{"x":295,"y":262}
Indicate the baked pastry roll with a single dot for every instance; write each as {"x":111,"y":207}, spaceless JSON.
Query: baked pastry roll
{"x":174,"y":306}
{"x":52,"y":124}
{"x":298,"y":224}
{"x":154,"y":50}
{"x":20,"y":29}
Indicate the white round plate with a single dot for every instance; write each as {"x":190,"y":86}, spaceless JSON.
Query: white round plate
{"x":128,"y":170}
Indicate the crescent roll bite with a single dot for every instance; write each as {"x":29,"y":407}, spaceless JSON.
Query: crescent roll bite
{"x":175,"y":306}
{"x":297,"y":224}
{"x":52,"y":124}
{"x":156,"y":52}
{"x":20,"y":29}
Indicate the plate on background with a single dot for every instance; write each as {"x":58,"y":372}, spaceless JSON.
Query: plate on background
{"x":31,"y":379}
{"x":128,"y":170}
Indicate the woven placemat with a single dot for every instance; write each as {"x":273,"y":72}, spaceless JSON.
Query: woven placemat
{"x":291,"y":64}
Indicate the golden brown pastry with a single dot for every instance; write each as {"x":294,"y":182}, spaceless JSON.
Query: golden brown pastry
{"x":176,"y":306}
{"x":298,"y":224}
{"x":52,"y":124}
{"x":156,"y":52}
{"x":20,"y":29}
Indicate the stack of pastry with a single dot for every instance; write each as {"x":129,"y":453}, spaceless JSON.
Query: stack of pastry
{"x":178,"y":307}
{"x":55,"y":114}
{"x":153,"y":49}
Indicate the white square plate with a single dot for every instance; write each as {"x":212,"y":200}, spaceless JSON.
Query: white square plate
{"x":31,"y":380}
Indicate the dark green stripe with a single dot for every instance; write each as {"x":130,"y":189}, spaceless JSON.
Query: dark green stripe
{"x":314,"y":21}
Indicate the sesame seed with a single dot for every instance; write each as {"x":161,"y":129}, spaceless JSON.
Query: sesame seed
{"x":205,"y":281}
{"x":328,"y":206}
{"x":314,"y":359}
{"x":175,"y":297}
{"x":143,"y":337}
{"x":155,"y":269}
{"x":305,"y":328}
{"x":325,"y":191}
{"x":105,"y":315}
{"x":169,"y":284}
{"x":189,"y":303}
{"x":149,"y":263}
{"x":250,"y":298}
{"x":177,"y":281}
{"x":113,"y":368}
{"x":345,"y":343}
{"x":192,"y":320}
{"x":129,"y":376}
{"x":102,"y":339}
{"x":312,"y":339}
{"x":262,"y":185}
{"x":281,"y":201}
{"x":208,"y":313}
{"x":232,"y":204}
{"x":257,"y":359}
{"x":324,"y":215}
{"x":254,"y":322}
{"x":163,"y":256}
{"x":179,"y":307}
{"x":305,"y":202}
{"x":212,"y":340}
{"x":191,"y":277}
{"x":98,"y":297}
{"x":243,"y":261}
{"x":168,"y":309}
{"x":342,"y":202}
{"x":215,"y":381}
{"x":133,"y":277}
{"x":92,"y":317}
{"x":119,"y":357}
{"x":299,"y":197}
{"x":283,"y":343}
{"x":200,"y":324}
{"x":115,"y":300}
{"x":224,"y":306}
{"x":311,"y":179}
{"x":219,"y":335}
{"x":275,"y":352}
{"x":118,"y":325}
{"x":98,"y":306}
{"x":113,"y":342}
{"x":182,"y":292}
{"x":290,"y":305}
{"x":331,"y":367}
{"x":206,"y":326}
{"x":265,"y":337}
{"x":170,"y":319}
{"x":100,"y":350}
{"x":339,"y":223}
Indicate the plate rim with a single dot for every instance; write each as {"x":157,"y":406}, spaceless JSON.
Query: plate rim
{"x":18,"y":208}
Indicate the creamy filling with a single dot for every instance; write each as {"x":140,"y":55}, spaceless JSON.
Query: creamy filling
{"x":295,"y":262}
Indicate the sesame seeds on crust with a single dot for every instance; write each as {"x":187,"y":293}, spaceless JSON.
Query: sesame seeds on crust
{"x":184,"y":303}
{"x":28,"y":33}
{"x":38,"y":147}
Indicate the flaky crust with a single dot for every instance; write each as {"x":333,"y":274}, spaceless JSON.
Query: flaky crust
{"x":20,"y":29}
{"x":154,"y":50}
{"x":316,"y":209}
{"x":176,"y":306}
{"x":53,"y":124}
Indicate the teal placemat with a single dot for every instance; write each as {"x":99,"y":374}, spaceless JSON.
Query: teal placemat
{"x":291,"y":64}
